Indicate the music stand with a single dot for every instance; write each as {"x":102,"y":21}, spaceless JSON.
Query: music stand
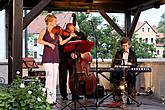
{"x":30,"y":64}
{"x":125,"y":73}
{"x":78,"y":46}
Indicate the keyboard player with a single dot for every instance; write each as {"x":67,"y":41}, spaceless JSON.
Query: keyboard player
{"x":125,"y":57}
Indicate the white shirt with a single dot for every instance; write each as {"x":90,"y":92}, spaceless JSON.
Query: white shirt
{"x":125,"y":57}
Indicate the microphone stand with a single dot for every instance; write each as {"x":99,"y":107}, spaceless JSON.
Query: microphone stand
{"x":125,"y":96}
{"x":96,"y":45}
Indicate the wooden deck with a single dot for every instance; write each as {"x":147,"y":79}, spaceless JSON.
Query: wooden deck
{"x":147,"y":103}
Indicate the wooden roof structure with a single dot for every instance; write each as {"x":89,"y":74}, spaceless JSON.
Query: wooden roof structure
{"x":84,"y":5}
{"x":16,"y":22}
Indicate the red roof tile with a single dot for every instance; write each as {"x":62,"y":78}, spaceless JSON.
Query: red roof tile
{"x":160,"y":45}
{"x":160,"y":35}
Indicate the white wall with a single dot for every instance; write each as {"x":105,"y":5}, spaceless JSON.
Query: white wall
{"x":2,"y":35}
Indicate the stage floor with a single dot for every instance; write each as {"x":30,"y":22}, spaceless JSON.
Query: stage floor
{"x":147,"y":103}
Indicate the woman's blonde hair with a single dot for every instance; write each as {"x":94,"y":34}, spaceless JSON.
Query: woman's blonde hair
{"x":49,"y":18}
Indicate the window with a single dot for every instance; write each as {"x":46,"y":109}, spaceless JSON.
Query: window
{"x":157,"y":52}
{"x":35,"y":42}
{"x":142,"y":29}
{"x":35,"y":54}
{"x":152,"y":51}
{"x":146,"y":39}
{"x":163,"y":51}
{"x":140,"y":39}
{"x":148,"y":29}
{"x":152,"y":40}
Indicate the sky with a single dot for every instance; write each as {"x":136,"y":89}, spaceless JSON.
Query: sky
{"x":152,"y":16}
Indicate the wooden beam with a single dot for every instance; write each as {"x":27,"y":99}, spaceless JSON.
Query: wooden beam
{"x":127,"y":22}
{"x":9,"y":31}
{"x":110,"y":21}
{"x":134,"y":22}
{"x":145,"y":5}
{"x":17,"y":37}
{"x":3,"y":4}
{"x":108,"y":6}
{"x":14,"y":27}
{"x":162,"y":1}
{"x":35,"y":12}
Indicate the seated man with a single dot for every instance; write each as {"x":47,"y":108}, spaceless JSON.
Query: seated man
{"x":124,"y":58}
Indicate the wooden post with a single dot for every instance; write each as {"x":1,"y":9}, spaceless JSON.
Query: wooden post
{"x":14,"y":28}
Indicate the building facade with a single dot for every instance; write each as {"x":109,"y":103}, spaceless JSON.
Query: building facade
{"x":149,"y":34}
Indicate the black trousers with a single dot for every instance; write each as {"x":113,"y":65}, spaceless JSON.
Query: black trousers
{"x":130,"y":79}
{"x":64,"y":68}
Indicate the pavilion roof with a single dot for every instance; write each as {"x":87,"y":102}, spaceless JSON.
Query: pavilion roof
{"x":110,"y":6}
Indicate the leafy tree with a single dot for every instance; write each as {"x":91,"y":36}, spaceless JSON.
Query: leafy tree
{"x":161,"y":29}
{"x":161,"y":25}
{"x":142,"y":49}
{"x":108,"y":40}
{"x":160,"y":40}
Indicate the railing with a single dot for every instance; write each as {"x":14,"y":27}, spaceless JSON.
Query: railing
{"x":154,"y":80}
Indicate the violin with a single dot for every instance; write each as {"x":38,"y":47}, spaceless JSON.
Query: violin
{"x":59,"y":30}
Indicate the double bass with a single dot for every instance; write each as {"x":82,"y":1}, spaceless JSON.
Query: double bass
{"x":82,"y":80}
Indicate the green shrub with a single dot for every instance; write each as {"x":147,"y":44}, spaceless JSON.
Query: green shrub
{"x":24,"y":95}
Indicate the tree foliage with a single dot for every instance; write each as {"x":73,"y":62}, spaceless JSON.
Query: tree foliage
{"x":142,"y":49}
{"x":102,"y":35}
{"x":108,"y":39}
{"x":161,"y":29}
{"x":161,"y":24}
{"x":160,"y":40}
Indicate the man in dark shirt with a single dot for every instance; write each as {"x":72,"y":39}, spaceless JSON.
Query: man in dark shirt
{"x":64,"y":65}
{"x":124,"y":58}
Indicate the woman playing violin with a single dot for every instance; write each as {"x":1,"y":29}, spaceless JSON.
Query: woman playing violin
{"x":50,"y":58}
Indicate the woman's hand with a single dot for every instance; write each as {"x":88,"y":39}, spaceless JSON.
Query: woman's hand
{"x":73,"y":35}
{"x":51,"y":45}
